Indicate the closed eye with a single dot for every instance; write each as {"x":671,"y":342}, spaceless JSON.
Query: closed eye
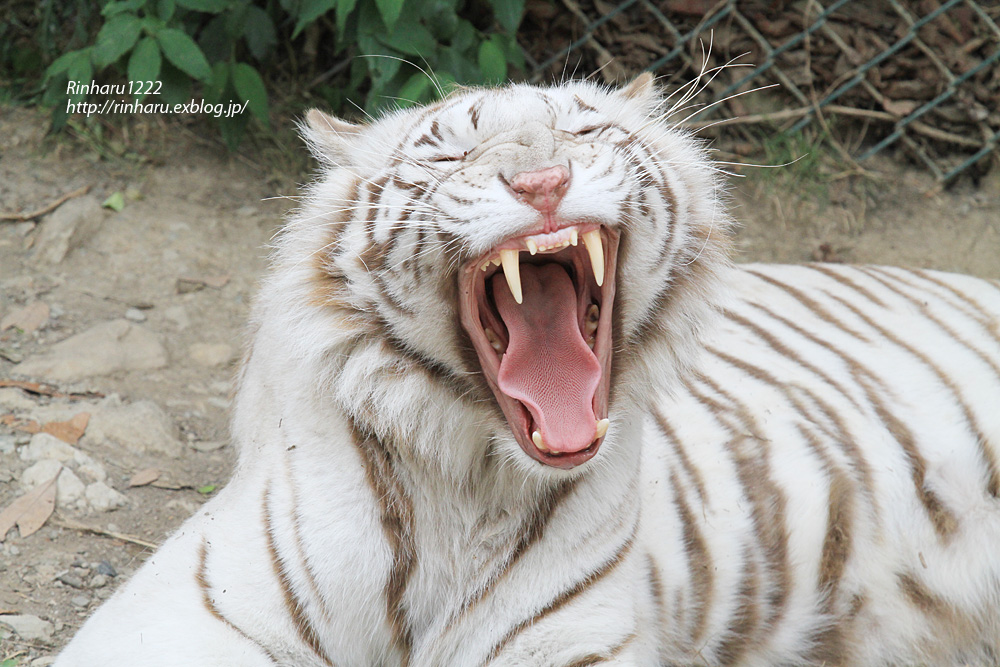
{"x":591,"y":129}
{"x":449,"y":158}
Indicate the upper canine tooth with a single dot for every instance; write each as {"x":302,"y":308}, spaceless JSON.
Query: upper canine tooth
{"x":512,"y":272}
{"x":531,"y":245}
{"x":595,"y":248}
{"x":602,"y":427}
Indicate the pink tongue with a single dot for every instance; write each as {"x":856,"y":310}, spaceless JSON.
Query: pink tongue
{"x":547,"y":365}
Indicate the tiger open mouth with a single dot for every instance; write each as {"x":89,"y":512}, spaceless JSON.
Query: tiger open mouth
{"x":538,"y":310}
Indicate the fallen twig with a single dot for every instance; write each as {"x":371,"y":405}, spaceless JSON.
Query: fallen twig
{"x":74,"y":525}
{"x":21,"y":217}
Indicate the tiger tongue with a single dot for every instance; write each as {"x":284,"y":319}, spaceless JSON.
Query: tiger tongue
{"x":547,"y":365}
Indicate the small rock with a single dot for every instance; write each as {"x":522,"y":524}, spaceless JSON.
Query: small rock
{"x":44,"y":661}
{"x":69,"y":227}
{"x":118,"y":345}
{"x":141,"y":427}
{"x":70,"y":580}
{"x":7,"y":444}
{"x":40,"y":473}
{"x":80,"y":601}
{"x":103,"y":498}
{"x":135,"y":315}
{"x":107,"y":569}
{"x":46,"y":446}
{"x":207,"y":446}
{"x":28,"y":627}
{"x":178,"y":316}
{"x":14,"y":400}
{"x":210,"y":354}
{"x":98,"y":581}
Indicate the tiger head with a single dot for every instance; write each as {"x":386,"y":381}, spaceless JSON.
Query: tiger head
{"x":533,"y":261}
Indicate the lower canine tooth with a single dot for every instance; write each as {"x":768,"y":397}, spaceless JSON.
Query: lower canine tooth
{"x":512,"y":272}
{"x":536,"y":438}
{"x":595,"y":248}
{"x":602,"y":427}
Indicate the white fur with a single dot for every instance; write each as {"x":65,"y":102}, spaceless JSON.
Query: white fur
{"x":613,"y":577}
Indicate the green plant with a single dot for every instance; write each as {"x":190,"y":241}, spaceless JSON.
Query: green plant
{"x":376,"y":53}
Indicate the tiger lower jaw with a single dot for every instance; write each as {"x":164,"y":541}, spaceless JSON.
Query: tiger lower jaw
{"x":538,"y":309}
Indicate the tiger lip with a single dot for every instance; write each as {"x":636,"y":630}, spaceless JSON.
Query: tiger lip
{"x":590,"y":262}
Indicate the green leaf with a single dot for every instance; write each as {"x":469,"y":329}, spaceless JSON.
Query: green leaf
{"x":116,"y":38}
{"x":81,"y":71}
{"x":309,"y":11}
{"x":116,"y":202}
{"x":176,"y":85}
{"x":413,"y":90}
{"x":145,"y":61}
{"x":236,"y":21}
{"x":508,"y":13}
{"x":389,"y":10}
{"x":64,"y":62}
{"x":184,"y":53}
{"x":259,"y":34}
{"x":113,"y":8}
{"x":210,"y":6}
{"x":412,"y":39}
{"x":207,"y":489}
{"x":166,"y":9}
{"x":492,"y":63}
{"x":216,"y":87}
{"x":344,"y":9}
{"x":250,"y":87}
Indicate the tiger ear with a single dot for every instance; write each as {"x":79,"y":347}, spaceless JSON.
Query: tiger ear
{"x":641,"y":90}
{"x":330,"y":139}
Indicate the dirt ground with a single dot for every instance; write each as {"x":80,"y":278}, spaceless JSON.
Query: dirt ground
{"x":174,"y":272}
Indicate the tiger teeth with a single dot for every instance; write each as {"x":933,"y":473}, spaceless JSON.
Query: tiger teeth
{"x":531,"y":245}
{"x":573,"y":238}
{"x":511,"y":271}
{"x":536,"y":438}
{"x":494,"y":340}
{"x":595,"y":248}
{"x":602,"y":427}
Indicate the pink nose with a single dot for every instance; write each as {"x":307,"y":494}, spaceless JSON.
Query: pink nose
{"x":542,"y":189}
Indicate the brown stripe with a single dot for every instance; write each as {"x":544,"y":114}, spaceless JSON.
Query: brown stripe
{"x":201,"y":577}
{"x":921,"y":598}
{"x":474,"y":111}
{"x":700,"y":564}
{"x":989,"y":322}
{"x":746,"y":617}
{"x":675,"y":442}
{"x":785,"y":351}
{"x":838,"y":542}
{"x":811,"y":304}
{"x":583,"y":106}
{"x":987,"y":455}
{"x":656,"y":593}
{"x":293,"y":605}
{"x":943,"y":519}
{"x":530,"y":533}
{"x":767,"y":501}
{"x":567,"y":596}
{"x":300,"y":550}
{"x":847,"y":282}
{"x":606,"y":656}
{"x":396,"y":517}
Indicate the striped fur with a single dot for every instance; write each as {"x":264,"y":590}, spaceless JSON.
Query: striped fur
{"x":803,"y":463}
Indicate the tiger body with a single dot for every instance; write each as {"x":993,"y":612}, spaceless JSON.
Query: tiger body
{"x":801,"y":465}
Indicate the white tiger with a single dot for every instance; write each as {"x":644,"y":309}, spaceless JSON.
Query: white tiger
{"x":506,"y":402}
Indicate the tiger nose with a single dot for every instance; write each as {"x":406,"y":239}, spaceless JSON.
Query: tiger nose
{"x":542,"y":189}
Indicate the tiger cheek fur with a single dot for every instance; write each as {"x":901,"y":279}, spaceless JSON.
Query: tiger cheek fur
{"x":506,"y":401}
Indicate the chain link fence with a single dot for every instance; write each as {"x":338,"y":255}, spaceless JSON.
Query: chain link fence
{"x":922,"y":76}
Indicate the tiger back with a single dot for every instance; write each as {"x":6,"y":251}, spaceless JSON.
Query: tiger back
{"x":506,"y":401}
